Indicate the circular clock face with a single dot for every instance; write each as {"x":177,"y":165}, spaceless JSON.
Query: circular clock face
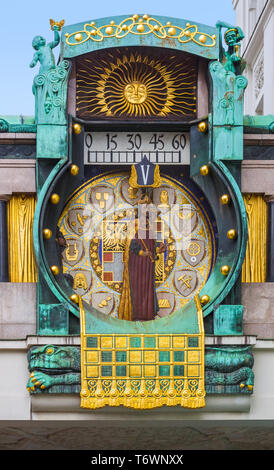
{"x":104,"y":215}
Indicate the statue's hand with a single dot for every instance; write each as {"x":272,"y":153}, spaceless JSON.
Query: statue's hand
{"x":32,"y":64}
{"x":235,"y":57}
{"x":55,"y":27}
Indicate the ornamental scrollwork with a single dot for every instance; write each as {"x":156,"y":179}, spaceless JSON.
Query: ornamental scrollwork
{"x":141,"y":25}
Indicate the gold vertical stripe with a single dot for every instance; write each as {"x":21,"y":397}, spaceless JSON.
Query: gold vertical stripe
{"x":22,"y":267}
{"x":254,"y":266}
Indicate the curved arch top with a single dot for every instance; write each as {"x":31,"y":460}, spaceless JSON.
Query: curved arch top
{"x":140,"y":30}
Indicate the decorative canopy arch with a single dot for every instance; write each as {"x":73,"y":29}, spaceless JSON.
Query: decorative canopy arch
{"x":140,"y":30}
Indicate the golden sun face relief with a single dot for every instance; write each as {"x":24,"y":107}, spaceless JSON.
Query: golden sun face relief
{"x":137,"y":83}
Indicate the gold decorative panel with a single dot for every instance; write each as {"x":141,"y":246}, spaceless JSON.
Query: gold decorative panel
{"x":22,"y":267}
{"x":254,"y":266}
{"x":95,"y":257}
{"x":142,"y":370}
{"x":140,"y":83}
{"x":141,"y":26}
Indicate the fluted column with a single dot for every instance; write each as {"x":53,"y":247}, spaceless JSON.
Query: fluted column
{"x":4,"y":260}
{"x":270,"y":239}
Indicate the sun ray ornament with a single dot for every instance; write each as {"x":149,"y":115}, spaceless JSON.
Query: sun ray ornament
{"x":130,"y":83}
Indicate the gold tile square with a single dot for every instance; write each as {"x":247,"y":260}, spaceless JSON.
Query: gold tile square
{"x":193,"y":371}
{"x":121,"y":342}
{"x":178,"y":341}
{"x":135,"y":356}
{"x":149,"y":356}
{"x":106,"y":341}
{"x":135,"y":371}
{"x":164,"y":341}
{"x":150,"y":371}
{"x":193,"y":356}
{"x":92,"y":356}
{"x":92,"y":371}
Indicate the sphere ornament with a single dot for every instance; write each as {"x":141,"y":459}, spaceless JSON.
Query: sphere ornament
{"x":225,"y":270}
{"x":55,"y":270}
{"x":74,"y":170}
{"x":202,"y":126}
{"x":225,"y":199}
{"x":77,"y":128}
{"x":78,"y":37}
{"x":74,"y":298}
{"x":204,"y":299}
{"x":204,"y":170}
{"x":54,"y":198}
{"x":47,"y":233}
{"x":232,"y":234}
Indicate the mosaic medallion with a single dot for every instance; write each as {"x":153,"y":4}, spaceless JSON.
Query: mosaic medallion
{"x":104,"y":210}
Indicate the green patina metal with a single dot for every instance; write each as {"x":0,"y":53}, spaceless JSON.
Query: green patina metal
{"x":225,"y":123}
{"x":259,"y":124}
{"x":57,"y":369}
{"x":228,"y":320}
{"x":200,"y":39}
{"x":18,"y":124}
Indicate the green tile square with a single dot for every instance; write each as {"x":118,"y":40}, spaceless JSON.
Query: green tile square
{"x":164,"y":356}
{"x":135,"y":342}
{"x":164,"y":370}
{"x":106,"y":371}
{"x":121,"y":356}
{"x":178,"y":370}
{"x":92,"y":342}
{"x":179,"y":356}
{"x":121,"y":371}
{"x":193,"y":342}
{"x":149,"y":342}
{"x":106,"y":356}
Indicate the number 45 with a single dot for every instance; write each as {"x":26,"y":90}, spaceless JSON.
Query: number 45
{"x":157,"y":142}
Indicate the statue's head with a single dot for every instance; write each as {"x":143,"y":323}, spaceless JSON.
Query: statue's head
{"x":231,"y":37}
{"x":37,"y":42}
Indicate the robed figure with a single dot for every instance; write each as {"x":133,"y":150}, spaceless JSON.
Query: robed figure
{"x":138,"y":300}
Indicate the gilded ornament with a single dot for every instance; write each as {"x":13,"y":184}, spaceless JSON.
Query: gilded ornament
{"x":225,"y":270}
{"x":59,"y":24}
{"x":55,"y":270}
{"x":47,"y":233}
{"x":77,"y":128}
{"x":204,"y":170}
{"x":204,"y":299}
{"x":140,"y":28}
{"x":254,"y":268}
{"x":202,"y":126}
{"x":109,"y":30}
{"x":225,"y":199}
{"x":74,"y":170}
{"x":232,"y":234}
{"x":135,"y":92}
{"x":78,"y":37}
{"x":20,"y":213}
{"x":137,"y":85}
{"x":74,"y":298}
{"x":183,"y":35}
{"x":54,"y":198}
{"x":171,"y":31}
